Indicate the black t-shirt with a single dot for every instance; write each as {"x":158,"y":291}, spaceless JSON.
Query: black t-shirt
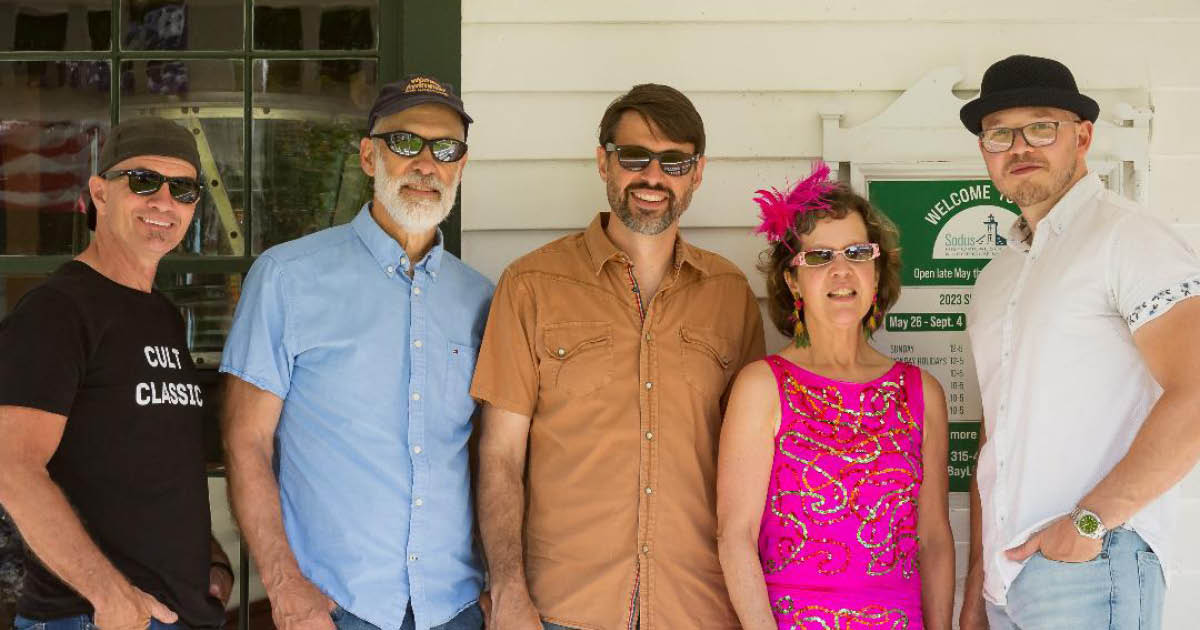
{"x":114,"y":361}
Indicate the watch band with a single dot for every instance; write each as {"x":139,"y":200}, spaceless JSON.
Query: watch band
{"x":1088,"y":524}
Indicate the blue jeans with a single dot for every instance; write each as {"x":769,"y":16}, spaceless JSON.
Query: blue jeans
{"x":78,"y":622}
{"x":471,"y":618}
{"x":1121,"y":589}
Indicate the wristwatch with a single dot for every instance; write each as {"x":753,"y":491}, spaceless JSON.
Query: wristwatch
{"x":1088,"y":523}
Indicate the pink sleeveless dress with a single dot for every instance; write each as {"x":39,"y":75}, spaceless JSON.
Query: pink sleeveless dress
{"x":838,"y":542}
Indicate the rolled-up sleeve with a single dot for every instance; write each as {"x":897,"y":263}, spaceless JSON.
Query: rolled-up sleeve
{"x":1152,"y":269}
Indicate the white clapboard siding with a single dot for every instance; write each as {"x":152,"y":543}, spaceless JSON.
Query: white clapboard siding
{"x":501,"y":195}
{"x":622,"y":11}
{"x":848,"y":56}
{"x":537,"y":75}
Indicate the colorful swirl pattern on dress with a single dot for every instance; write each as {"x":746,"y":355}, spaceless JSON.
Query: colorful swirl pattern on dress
{"x":838,"y":542}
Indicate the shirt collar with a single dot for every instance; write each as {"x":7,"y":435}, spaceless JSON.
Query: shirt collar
{"x":387,"y":252}
{"x":1060,"y":217}
{"x":601,"y":249}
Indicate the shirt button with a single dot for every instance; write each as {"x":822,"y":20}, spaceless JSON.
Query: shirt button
{"x":562,"y":352}
{"x":645,"y":548}
{"x":391,"y":270}
{"x":412,"y":557}
{"x":416,"y":396}
{"x":649,"y":435}
{"x":419,"y":502}
{"x":649,"y":490}
{"x":417,"y":449}
{"x":416,"y":290}
{"x":649,"y":336}
{"x":417,"y":344}
{"x":649,"y":385}
{"x":433,"y":273}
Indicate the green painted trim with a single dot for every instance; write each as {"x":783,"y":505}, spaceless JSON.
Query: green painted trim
{"x":220,"y":55}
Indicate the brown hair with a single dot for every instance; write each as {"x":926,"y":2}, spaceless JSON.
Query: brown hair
{"x":774,"y":261}
{"x":663,"y":105}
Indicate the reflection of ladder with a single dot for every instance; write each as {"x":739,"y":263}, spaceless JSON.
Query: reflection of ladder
{"x":192,"y":117}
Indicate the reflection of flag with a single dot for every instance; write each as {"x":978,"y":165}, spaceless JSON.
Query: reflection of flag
{"x":44,"y":166}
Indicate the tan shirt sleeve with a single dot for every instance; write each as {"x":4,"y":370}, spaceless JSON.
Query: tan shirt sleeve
{"x":506,"y":374}
{"x":754,"y":345}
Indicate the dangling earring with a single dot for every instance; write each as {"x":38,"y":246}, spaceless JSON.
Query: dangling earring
{"x":873,"y":316}
{"x":799,"y":334}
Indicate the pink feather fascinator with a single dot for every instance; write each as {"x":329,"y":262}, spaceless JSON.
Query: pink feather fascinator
{"x":779,"y":210}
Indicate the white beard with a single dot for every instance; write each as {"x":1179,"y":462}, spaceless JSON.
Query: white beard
{"x":414,"y":216}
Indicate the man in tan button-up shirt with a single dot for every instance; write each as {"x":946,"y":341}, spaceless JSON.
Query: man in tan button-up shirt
{"x":604,"y":370}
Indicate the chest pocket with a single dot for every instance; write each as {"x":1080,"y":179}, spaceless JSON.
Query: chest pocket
{"x":577,"y":357}
{"x":707,"y":359}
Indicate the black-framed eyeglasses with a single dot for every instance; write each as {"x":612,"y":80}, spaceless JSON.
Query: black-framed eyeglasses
{"x":143,"y":181}
{"x":859,"y":252}
{"x":1037,"y":134}
{"x":634,"y":158}
{"x":408,"y":144}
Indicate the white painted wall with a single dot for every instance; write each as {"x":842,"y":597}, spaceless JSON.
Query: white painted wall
{"x":537,"y":75}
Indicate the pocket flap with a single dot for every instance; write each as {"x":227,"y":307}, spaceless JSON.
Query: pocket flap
{"x":562,"y":341}
{"x":721,"y":349}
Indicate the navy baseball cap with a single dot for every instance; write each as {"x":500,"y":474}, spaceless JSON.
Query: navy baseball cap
{"x":413,"y":90}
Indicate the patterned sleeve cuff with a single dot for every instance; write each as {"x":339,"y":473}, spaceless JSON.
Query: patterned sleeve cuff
{"x":1162,"y":302}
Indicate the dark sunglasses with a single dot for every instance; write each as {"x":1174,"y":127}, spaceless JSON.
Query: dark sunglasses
{"x":861,"y":252}
{"x":635,"y":158}
{"x":147,"y":182}
{"x":408,"y":144}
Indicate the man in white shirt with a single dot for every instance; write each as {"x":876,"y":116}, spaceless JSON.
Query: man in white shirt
{"x":1088,"y":354}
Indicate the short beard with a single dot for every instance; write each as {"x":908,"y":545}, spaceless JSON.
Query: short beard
{"x":1027,"y":194}
{"x":414,"y":216}
{"x":619,"y":201}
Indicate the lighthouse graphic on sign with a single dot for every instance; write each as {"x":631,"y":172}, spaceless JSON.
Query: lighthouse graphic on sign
{"x":993,"y":233}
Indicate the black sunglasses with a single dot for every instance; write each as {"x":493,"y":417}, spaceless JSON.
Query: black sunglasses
{"x":147,"y":182}
{"x":635,"y":158}
{"x":408,"y":144}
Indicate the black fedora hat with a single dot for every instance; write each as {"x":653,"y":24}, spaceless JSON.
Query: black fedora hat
{"x":1026,"y":81}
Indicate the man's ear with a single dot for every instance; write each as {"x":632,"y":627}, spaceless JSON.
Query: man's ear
{"x":99,"y":192}
{"x":366,"y":156}
{"x":602,"y":162}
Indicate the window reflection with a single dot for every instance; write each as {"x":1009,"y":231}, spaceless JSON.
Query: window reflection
{"x":314,"y":25}
{"x":52,"y":124}
{"x":181,"y":24}
{"x":309,"y":118}
{"x":40,"y":25}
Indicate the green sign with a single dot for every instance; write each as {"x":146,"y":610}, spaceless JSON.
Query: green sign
{"x":964,"y":451}
{"x":949,"y":229}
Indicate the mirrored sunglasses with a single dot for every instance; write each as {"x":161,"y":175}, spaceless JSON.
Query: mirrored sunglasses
{"x":408,"y":144}
{"x":635,"y":158}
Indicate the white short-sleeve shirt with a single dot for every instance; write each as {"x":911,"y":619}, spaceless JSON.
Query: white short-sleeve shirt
{"x":1064,"y":388}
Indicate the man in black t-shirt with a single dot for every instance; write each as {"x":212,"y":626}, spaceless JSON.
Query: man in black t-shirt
{"x":102,"y":459}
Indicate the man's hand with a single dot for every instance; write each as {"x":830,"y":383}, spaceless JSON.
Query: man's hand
{"x":220,"y":582}
{"x":299,"y":605}
{"x":1059,"y":542}
{"x":131,"y":610}
{"x":512,"y":609}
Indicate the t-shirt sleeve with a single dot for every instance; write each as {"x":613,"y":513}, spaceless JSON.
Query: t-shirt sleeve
{"x":43,"y":352}
{"x":506,"y":374}
{"x":259,"y":347}
{"x":1152,"y":269}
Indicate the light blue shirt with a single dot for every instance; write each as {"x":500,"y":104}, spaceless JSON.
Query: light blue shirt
{"x":371,"y":448}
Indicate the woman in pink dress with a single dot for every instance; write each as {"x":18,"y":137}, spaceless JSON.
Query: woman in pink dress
{"x":831,"y":485}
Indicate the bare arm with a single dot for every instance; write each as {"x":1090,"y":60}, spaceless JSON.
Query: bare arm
{"x":51,"y":528}
{"x":248,"y":433}
{"x":933,"y":513}
{"x":743,"y":474}
{"x":1165,"y":449}
{"x":501,"y":504}
{"x":974,"y":615}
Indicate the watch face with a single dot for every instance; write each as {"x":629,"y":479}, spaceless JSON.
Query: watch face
{"x":1088,"y":524}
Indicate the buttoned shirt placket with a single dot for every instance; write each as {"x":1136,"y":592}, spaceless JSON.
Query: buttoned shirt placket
{"x":418,"y":284}
{"x":1029,"y":244}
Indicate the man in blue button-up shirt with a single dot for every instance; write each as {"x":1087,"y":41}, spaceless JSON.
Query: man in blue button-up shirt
{"x":347,"y":415}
